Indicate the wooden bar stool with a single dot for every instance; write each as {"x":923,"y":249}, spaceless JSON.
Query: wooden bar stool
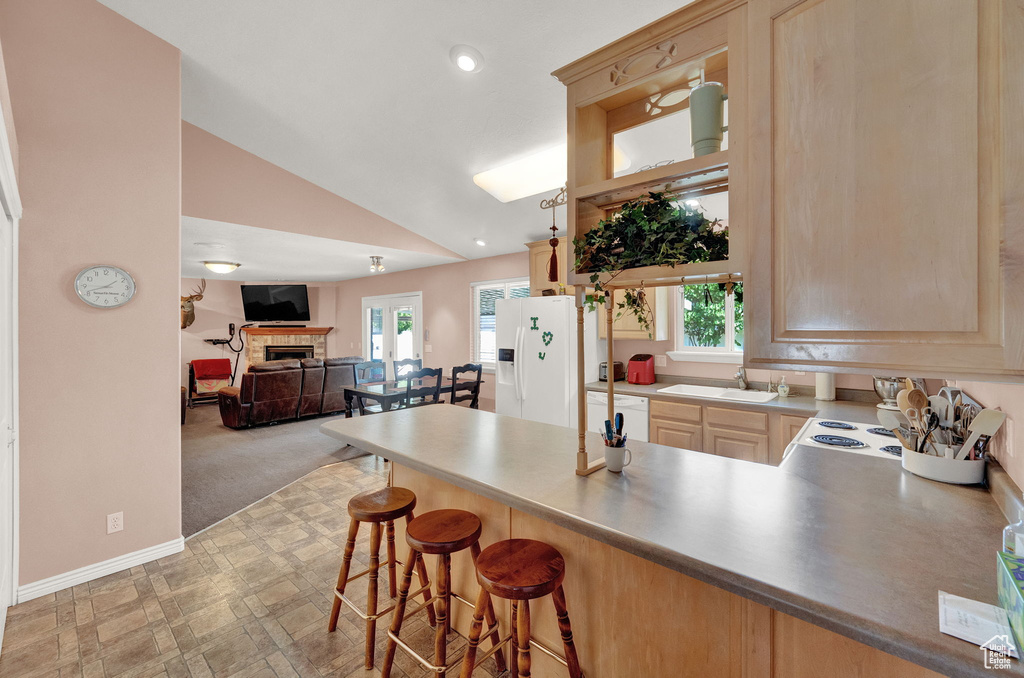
{"x":521,"y":570}
{"x":375,"y":507}
{"x":440,"y":533}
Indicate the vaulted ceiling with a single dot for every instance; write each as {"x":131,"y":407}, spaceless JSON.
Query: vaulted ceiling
{"x":361,"y":98}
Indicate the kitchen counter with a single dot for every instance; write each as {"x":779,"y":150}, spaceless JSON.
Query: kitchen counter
{"x":843,"y":410}
{"x":849,"y":543}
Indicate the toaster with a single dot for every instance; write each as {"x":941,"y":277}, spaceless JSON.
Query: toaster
{"x":618,"y":371}
{"x":641,"y":369}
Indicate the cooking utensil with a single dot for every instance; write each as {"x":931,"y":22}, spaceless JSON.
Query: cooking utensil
{"x":943,"y":408}
{"x":933,"y":423}
{"x":892,"y":421}
{"x":985,"y":424}
{"x":904,"y":404}
{"x":917,"y":399}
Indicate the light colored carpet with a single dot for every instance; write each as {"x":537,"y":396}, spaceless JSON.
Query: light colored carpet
{"x":223,"y":470}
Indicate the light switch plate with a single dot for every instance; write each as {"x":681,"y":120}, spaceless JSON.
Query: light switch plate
{"x":660,"y":361}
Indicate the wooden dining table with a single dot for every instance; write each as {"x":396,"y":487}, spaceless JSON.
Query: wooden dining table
{"x":392,"y":393}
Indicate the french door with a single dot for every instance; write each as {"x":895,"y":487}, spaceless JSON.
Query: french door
{"x":393,"y":327}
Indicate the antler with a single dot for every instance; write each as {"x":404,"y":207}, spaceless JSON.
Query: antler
{"x":197,"y":293}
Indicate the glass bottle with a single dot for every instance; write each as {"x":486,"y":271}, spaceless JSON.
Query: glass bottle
{"x":1013,"y":536}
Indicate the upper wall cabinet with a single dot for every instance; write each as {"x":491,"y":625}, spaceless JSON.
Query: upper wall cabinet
{"x":629,"y":127}
{"x":886,"y":186}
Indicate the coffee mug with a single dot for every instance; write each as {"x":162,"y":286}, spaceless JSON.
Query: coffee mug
{"x":616,"y":458}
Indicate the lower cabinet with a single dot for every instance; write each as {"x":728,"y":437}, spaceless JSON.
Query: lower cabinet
{"x":750,"y":435}
{"x":737,"y":444}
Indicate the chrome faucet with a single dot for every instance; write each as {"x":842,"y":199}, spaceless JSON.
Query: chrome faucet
{"x":741,"y":378}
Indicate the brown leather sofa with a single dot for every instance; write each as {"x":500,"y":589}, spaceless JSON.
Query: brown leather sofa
{"x":284,"y":390}
{"x":341,"y":372}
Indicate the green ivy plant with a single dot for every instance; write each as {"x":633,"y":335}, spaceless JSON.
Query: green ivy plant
{"x":648,"y":231}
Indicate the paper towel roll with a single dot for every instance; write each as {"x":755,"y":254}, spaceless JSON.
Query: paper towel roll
{"x":824,"y":386}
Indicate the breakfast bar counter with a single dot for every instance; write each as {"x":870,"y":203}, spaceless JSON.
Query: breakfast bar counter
{"x":829,"y":565}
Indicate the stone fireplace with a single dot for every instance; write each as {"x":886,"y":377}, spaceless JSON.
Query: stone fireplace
{"x":264,"y":341}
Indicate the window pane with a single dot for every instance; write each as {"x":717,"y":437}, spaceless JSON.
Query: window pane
{"x":486,"y":328}
{"x":519,"y":291}
{"x":376,"y":333}
{"x":704,"y":316}
{"x":404,"y":348}
{"x":738,"y":315}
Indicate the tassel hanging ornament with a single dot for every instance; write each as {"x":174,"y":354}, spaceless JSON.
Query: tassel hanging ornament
{"x":550,"y":204}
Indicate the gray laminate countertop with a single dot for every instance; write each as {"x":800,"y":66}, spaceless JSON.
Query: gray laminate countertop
{"x":849,"y":542}
{"x":844,"y":410}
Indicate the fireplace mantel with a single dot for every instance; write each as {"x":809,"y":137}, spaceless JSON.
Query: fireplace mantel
{"x":312,"y":331}
{"x":261,"y":337}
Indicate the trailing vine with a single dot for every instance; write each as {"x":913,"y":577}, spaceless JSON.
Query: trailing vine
{"x":648,"y":231}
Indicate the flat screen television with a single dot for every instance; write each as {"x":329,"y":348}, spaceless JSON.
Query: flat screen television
{"x":267,"y":303}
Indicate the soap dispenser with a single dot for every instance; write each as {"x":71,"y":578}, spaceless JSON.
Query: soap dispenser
{"x":783,"y":388}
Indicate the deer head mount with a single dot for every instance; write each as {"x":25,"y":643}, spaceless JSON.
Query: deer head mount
{"x":188,"y":309}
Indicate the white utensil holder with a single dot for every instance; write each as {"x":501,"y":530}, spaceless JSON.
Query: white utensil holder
{"x":964,"y":472}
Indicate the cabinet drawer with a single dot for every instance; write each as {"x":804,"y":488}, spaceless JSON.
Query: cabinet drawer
{"x":671,"y":411}
{"x":678,"y":434}
{"x":738,"y":445}
{"x":738,"y":419}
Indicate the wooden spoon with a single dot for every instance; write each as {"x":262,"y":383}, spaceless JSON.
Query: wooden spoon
{"x":917,"y":399}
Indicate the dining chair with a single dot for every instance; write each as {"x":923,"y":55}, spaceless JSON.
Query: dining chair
{"x":401,"y":367}
{"x":467,"y":390}
{"x":369,"y":372}
{"x":422,"y":387}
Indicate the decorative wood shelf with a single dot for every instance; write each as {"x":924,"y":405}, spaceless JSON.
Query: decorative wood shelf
{"x":280,"y":331}
{"x":658,"y":276}
{"x":696,"y":176}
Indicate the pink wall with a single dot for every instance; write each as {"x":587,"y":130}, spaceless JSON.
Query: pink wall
{"x":97,"y":105}
{"x":222,"y":304}
{"x":224,"y":183}
{"x":446,"y":307}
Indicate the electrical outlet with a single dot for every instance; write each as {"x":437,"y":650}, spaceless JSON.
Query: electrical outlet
{"x":660,"y":361}
{"x":115,"y":522}
{"x":427,"y":348}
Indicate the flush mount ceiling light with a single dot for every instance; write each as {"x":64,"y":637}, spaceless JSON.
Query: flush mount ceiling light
{"x":221,"y":266}
{"x":480,"y":242}
{"x":375,"y":265}
{"x":467,"y":58}
{"x":537,"y":173}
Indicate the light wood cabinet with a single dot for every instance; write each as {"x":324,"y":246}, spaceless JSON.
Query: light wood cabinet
{"x":628,"y":327}
{"x":540,"y":254}
{"x":886,"y":186}
{"x":734,"y":432}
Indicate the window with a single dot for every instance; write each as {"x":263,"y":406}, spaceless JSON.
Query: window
{"x":709,"y":323}
{"x":484,"y":327}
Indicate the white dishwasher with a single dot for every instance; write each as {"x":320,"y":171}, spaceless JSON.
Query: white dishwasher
{"x":634,"y":410}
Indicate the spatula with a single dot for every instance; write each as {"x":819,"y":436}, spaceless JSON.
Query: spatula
{"x":891,"y":421}
{"x":985,"y":424}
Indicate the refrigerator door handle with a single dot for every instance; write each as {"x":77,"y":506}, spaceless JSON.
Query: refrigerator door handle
{"x":515,"y":364}
{"x":520,"y":366}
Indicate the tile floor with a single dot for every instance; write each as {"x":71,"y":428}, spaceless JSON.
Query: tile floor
{"x":248,"y":598}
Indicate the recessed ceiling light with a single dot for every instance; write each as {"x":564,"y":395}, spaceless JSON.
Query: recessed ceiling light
{"x":210,"y":245}
{"x":537,"y":173}
{"x":221,"y":266}
{"x":467,"y":58}
{"x":480,"y":242}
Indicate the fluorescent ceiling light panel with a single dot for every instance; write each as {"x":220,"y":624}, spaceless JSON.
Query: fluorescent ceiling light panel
{"x":537,"y":173}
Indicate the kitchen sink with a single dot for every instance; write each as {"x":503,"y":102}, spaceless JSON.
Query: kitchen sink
{"x":721,"y":393}
{"x":699,"y":391}
{"x":748,"y":396}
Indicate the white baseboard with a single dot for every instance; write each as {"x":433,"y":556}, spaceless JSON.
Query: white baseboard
{"x":89,"y":572}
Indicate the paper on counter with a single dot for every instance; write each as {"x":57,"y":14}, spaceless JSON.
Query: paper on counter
{"x":972,"y":621}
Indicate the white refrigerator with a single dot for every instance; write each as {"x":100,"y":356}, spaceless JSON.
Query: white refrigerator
{"x":536,"y":361}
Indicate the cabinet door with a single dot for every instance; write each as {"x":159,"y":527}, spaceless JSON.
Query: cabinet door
{"x":788,"y":426}
{"x":886,"y":186}
{"x":737,"y":444}
{"x":540,"y":254}
{"x":627,"y":326}
{"x":678,"y":434}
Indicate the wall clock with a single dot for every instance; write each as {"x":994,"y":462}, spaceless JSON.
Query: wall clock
{"x":105,"y":286}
